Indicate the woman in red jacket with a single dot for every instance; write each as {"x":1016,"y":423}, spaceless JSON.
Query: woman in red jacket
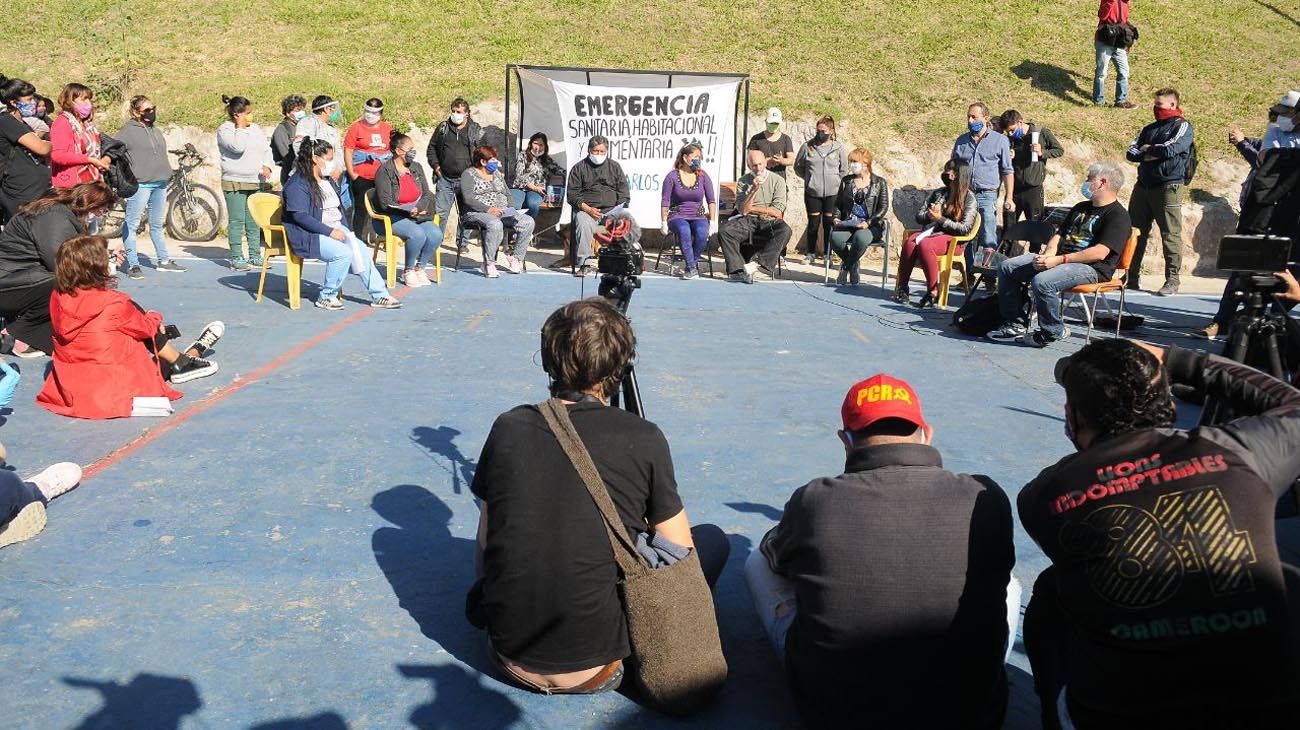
{"x":77,"y":156}
{"x":105,"y":344}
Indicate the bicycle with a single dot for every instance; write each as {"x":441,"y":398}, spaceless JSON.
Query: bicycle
{"x":193,"y":209}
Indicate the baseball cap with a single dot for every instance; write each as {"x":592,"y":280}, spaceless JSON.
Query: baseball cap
{"x":774,"y":116}
{"x":879,"y":397}
{"x":1288,"y":103}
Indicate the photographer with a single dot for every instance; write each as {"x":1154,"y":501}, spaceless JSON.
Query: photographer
{"x":1165,"y":581}
{"x":109,"y":352}
{"x":548,"y":588}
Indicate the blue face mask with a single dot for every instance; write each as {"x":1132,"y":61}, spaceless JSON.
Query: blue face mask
{"x":975,"y":127}
{"x":492,"y":166}
{"x":27,"y":108}
{"x":695,"y":164}
{"x":1017,"y":133}
{"x":1086,"y":190}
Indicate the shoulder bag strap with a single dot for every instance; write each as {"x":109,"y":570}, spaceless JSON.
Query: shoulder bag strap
{"x":557,"y":417}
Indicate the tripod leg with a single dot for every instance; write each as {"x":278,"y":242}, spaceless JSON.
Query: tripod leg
{"x":1271,"y":337}
{"x":632,"y":394}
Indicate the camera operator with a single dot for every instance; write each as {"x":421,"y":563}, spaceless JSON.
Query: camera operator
{"x":1166,"y":604}
{"x":548,"y":590}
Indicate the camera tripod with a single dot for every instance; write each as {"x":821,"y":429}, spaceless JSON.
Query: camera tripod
{"x":618,"y":289}
{"x":1256,"y":338}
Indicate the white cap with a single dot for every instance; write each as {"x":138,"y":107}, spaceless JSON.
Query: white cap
{"x":774,"y":116}
{"x":1288,"y":102}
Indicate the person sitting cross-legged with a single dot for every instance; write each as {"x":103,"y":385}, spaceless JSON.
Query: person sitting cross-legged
{"x":891,"y":580}
{"x":757,"y":235}
{"x":1085,"y":250}
{"x":23,"y":501}
{"x":109,"y":353}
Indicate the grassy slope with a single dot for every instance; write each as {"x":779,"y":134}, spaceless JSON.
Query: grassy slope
{"x":893,"y":67}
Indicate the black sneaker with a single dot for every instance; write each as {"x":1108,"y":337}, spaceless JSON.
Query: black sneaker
{"x":135,"y":272}
{"x":170,"y":265}
{"x":208,"y":338}
{"x":195,"y":368}
{"x":1040,"y":338}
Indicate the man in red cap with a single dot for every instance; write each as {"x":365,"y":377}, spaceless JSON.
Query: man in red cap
{"x":891,"y":580}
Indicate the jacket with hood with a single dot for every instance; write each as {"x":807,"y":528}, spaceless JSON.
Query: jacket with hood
{"x":822,"y":167}
{"x":101,"y":362}
{"x":29,"y":243}
{"x":147,"y":149}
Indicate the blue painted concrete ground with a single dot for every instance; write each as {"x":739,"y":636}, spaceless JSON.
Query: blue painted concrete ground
{"x":296,"y":555}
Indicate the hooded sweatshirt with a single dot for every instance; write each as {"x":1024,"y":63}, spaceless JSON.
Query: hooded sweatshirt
{"x":822,"y":167}
{"x":147,"y":149}
{"x":101,"y":362}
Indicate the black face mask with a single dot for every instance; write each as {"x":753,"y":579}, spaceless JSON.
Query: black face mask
{"x":149,"y":117}
{"x":821,"y":137}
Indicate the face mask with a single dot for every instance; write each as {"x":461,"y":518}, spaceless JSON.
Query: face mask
{"x":149,"y":117}
{"x":855,"y":168}
{"x":298,"y":115}
{"x":975,"y":127}
{"x":1017,"y":133}
{"x":695,"y":164}
{"x":1286,"y":124}
{"x":597,"y":159}
{"x":371,"y":117}
{"x":83,"y":109}
{"x":334,"y":115}
{"x":773,"y":127}
{"x":326,"y":166}
{"x":492,"y":166}
{"x":457,"y":118}
{"x":1086,"y":190}
{"x":409,"y":156}
{"x":821,"y":137}
{"x":945,"y":178}
{"x":1162,"y":114}
{"x":27,"y":108}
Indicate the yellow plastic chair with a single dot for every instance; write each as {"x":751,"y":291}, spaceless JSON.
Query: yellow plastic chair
{"x":391,"y":241}
{"x":266,"y":209}
{"x":951,"y":258}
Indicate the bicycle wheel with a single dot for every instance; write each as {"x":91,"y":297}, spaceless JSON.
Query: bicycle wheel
{"x":110,"y":225}
{"x":196,"y":216}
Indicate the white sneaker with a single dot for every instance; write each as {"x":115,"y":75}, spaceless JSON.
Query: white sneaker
{"x":514,"y":265}
{"x":424,"y":278}
{"x":491,"y":269}
{"x":57,"y":479}
{"x":25,"y":525}
{"x":412,"y":279}
{"x":751,"y":268}
{"x":1007,"y":332}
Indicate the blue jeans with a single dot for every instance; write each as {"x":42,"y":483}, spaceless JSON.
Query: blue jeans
{"x":1045,"y":286}
{"x":693,"y":237}
{"x":528,"y":200}
{"x":154,"y":194}
{"x":339,"y":257}
{"x":15,"y":494}
{"x":988,"y":233}
{"x":444,"y":196}
{"x":422,"y":239}
{"x":1105,"y":54}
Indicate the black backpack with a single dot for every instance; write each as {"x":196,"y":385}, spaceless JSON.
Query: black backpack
{"x":978,"y":316}
{"x":118,"y":175}
{"x":1193,"y":159}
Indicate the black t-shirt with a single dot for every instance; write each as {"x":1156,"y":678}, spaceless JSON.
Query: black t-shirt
{"x":1087,"y":225}
{"x":1167,"y":573}
{"x":26,"y":176}
{"x":781,"y":147}
{"x":901,"y":571}
{"x":549,"y":589}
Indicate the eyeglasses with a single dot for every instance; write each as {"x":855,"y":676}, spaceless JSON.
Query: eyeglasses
{"x":146,"y":110}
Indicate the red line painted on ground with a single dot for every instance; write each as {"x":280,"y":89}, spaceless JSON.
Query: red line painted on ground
{"x":216,"y":396}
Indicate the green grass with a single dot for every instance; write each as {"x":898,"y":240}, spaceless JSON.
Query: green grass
{"x":897,"y":69}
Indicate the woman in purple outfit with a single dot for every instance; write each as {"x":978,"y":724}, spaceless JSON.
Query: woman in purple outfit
{"x":686,"y":191}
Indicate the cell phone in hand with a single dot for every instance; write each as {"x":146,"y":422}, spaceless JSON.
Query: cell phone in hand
{"x":172,"y":332}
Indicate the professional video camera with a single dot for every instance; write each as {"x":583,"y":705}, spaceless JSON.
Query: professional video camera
{"x":620,"y":263}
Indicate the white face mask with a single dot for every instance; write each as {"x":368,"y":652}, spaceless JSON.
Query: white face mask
{"x":372,"y":117}
{"x":298,"y":115}
{"x":597,"y":159}
{"x":457,"y":118}
{"x":1286,"y":124}
{"x":326,"y":167}
{"x":855,"y":168}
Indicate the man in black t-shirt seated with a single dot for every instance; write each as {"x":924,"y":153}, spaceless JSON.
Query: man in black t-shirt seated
{"x":548,"y":585}
{"x":887,"y":590}
{"x":1084,"y":250}
{"x":1165,"y":605}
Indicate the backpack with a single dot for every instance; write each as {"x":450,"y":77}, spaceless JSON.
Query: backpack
{"x":1193,"y":159}
{"x":978,"y":316}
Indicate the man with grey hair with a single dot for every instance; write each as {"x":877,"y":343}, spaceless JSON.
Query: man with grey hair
{"x":1085,"y":250}
{"x":596,"y":184}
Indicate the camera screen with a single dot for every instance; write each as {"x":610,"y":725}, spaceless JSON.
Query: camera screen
{"x":1262,"y":254}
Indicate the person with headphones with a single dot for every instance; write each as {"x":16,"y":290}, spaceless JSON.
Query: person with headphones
{"x":548,"y":585}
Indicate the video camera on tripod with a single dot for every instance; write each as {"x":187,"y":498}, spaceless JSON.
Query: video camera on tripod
{"x":620,"y":263}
